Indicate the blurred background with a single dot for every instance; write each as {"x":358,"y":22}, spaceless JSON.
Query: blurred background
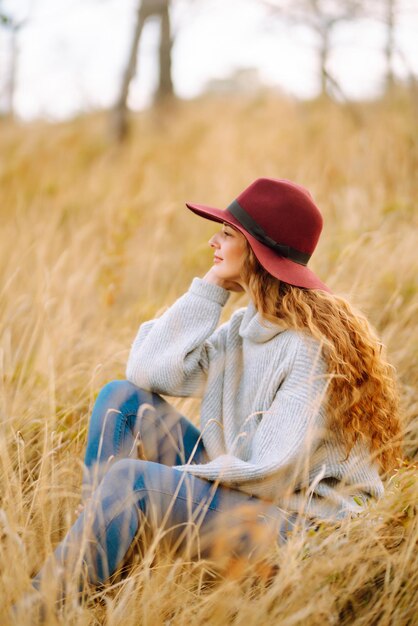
{"x":113,"y":113}
{"x":63,"y":57}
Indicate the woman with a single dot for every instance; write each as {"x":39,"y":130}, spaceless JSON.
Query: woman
{"x":299,"y":413}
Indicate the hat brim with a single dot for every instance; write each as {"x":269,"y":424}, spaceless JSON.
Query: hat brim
{"x":282,"y":268}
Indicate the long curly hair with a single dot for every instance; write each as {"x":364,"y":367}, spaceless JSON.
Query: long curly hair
{"x":362,"y":399}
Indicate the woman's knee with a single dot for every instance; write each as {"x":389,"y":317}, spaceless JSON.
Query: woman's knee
{"x":120,"y":390}
{"x":125,"y":472}
{"x":140,"y":476}
{"x":122,"y":478}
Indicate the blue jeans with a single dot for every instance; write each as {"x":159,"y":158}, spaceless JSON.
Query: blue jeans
{"x":133,"y":494}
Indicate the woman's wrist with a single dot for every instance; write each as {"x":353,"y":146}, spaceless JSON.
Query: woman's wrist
{"x":212,"y":278}
{"x":209,"y":291}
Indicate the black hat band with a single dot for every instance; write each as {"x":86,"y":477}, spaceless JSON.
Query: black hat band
{"x":258,"y":233}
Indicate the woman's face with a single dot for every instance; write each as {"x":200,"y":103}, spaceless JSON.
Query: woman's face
{"x":230,"y":251}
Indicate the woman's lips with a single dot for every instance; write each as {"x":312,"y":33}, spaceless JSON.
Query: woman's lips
{"x":217,"y":259}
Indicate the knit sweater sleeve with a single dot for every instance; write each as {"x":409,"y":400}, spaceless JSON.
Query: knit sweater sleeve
{"x":286,"y":433}
{"x":170,"y":354}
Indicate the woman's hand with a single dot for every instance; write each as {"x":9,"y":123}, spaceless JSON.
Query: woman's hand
{"x":214,"y":279}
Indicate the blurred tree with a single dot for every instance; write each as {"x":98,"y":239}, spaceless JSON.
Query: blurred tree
{"x":13,"y":26}
{"x":322,"y":16}
{"x":390,"y":42}
{"x":165,"y":84}
{"x":386,"y":12}
{"x":145,"y":10}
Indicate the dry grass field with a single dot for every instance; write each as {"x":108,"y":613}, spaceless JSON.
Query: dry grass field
{"x":95,"y":239}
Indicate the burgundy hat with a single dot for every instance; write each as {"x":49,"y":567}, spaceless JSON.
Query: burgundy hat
{"x":281,"y":223}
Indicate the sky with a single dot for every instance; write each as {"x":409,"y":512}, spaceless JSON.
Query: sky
{"x":72,"y":52}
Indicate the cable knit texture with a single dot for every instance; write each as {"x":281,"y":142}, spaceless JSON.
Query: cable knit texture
{"x":262,"y":412}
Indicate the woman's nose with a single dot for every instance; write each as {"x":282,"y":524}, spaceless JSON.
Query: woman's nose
{"x":213,"y":242}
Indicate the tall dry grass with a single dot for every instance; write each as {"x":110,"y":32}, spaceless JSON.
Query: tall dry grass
{"x":95,"y":239}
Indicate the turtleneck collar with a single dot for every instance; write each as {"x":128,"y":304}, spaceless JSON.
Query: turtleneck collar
{"x":256,"y":328}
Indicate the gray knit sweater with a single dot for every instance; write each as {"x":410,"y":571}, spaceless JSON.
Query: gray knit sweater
{"x":262,"y":416}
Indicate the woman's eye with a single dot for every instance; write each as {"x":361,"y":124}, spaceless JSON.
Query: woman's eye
{"x":226,"y":234}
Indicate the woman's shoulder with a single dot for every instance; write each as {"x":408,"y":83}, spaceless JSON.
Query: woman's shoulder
{"x":303,"y":342}
{"x":305,"y":352}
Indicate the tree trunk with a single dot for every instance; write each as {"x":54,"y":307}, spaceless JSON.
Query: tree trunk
{"x":323,"y":59}
{"x":165,"y":85}
{"x":11,"y":84}
{"x":119,"y":117}
{"x":390,"y":44}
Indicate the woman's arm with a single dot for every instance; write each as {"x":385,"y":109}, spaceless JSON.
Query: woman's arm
{"x":171,"y":354}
